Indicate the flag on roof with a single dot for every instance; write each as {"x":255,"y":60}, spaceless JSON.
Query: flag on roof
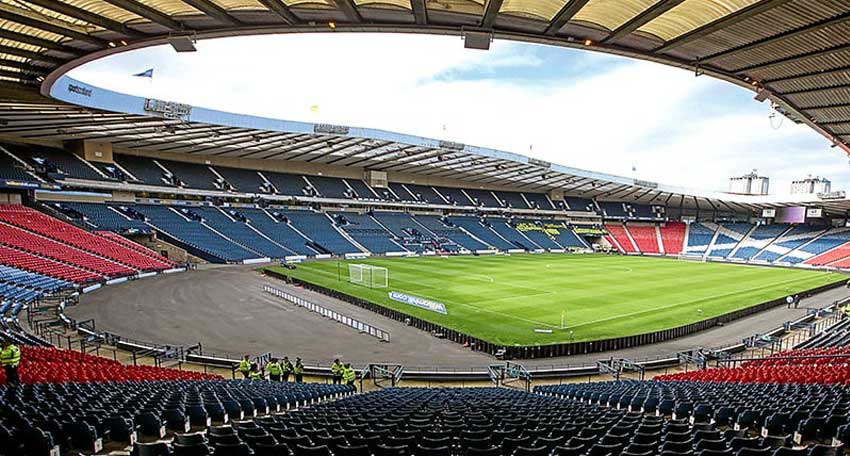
{"x":145,"y":74}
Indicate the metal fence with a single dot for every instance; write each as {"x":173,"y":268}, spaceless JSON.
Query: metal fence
{"x":372,"y":330}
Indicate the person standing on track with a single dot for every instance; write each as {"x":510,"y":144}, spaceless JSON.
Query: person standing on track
{"x":287,"y":368}
{"x":275,"y":370}
{"x":299,"y":371}
{"x":10,"y":358}
{"x":348,"y":376}
{"x":245,"y":366}
{"x":337,"y":369}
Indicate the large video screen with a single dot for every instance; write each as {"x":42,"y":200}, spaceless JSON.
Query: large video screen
{"x":795,"y":214}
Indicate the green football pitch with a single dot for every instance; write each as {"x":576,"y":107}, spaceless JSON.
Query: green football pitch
{"x":504,"y":299}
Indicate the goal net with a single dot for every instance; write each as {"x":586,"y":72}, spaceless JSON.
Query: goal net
{"x":367,"y":275}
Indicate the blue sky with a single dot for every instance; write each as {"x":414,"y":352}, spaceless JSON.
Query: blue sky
{"x":576,"y":108}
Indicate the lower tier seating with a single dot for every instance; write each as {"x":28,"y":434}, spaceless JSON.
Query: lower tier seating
{"x":34,"y":263}
{"x":673,"y":237}
{"x":645,"y":237}
{"x":618,"y":232}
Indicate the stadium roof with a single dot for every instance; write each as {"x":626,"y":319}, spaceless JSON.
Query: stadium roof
{"x":798,"y":51}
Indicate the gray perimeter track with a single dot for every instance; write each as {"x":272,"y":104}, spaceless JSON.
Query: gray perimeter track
{"x":226,"y":310}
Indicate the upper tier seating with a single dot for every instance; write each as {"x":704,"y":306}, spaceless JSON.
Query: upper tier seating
{"x":240,"y":232}
{"x":401,"y":192}
{"x":483,"y":198}
{"x":37,"y":222}
{"x":577,"y":204}
{"x":13,"y":169}
{"x":331,"y":187}
{"x":66,"y":164}
{"x":193,"y":175}
{"x":699,"y":237}
{"x":513,"y":200}
{"x":367,"y":232}
{"x":53,"y":365}
{"x":425,"y":193}
{"x":645,"y":237}
{"x":243,"y":180}
{"x":539,"y":201}
{"x":278,"y":230}
{"x":321,"y":231}
{"x":612,"y":210}
{"x":101,"y":217}
{"x":193,"y":235}
{"x":455,"y":196}
{"x":287,"y":184}
{"x":144,"y":169}
{"x":759,"y":239}
{"x":619,"y":234}
{"x":364,"y":192}
{"x":450,"y":232}
{"x":641,"y":211}
{"x":475,"y":227}
{"x":673,"y":237}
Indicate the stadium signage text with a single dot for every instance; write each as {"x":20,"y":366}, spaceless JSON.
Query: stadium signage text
{"x":84,"y":91}
{"x":451,"y":145}
{"x":643,"y":183}
{"x":168,"y":109}
{"x":330,"y":129}
{"x":832,"y":195}
{"x":422,"y":303}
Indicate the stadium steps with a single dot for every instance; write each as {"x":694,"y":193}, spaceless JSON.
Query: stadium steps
{"x":393,"y":237}
{"x":740,"y":242}
{"x":259,"y":255}
{"x":613,"y":241}
{"x":26,"y":167}
{"x":806,"y":255}
{"x":445,"y":201}
{"x":474,"y":237}
{"x":713,"y":238}
{"x":346,"y":236}
{"x":772,"y":241}
{"x":531,"y":242}
{"x":496,"y":232}
{"x":631,"y":239}
{"x":659,"y":240}
{"x":263,"y":235}
{"x":267,"y":181}
{"x":685,"y":241}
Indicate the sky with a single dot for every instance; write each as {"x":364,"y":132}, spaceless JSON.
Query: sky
{"x":576,"y":108}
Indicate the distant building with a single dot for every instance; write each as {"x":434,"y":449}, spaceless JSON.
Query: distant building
{"x":749,"y":184}
{"x":811,"y":185}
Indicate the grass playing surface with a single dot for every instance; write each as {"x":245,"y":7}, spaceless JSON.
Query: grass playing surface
{"x":503,"y":299}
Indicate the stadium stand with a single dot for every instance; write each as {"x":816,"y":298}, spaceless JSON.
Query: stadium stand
{"x":231,"y":223}
{"x":482,"y":231}
{"x":363,"y":191}
{"x":10,"y":168}
{"x":512,"y":200}
{"x":618,"y":232}
{"x":759,"y":238}
{"x":24,"y":279}
{"x":288,"y":184}
{"x":448,"y":231}
{"x":410,"y":234}
{"x":401,"y":192}
{"x":580,"y":204}
{"x":144,"y":169}
{"x":673,"y":237}
{"x":728,"y":237}
{"x":34,"y":263}
{"x":539,"y":201}
{"x":101,"y":217}
{"x":331,"y":187}
{"x":541,"y":233}
{"x":831,"y":257}
{"x":192,"y":235}
{"x":41,"y":224}
{"x":244,"y":180}
{"x":790,"y":241}
{"x":367,"y":232}
{"x":699,"y":238}
{"x":57,"y":163}
{"x":507,"y":230}
{"x":454,"y":196}
{"x":646,"y":238}
{"x":612,"y":210}
{"x":118,"y":239}
{"x":321,"y":231}
{"x":837,"y":335}
{"x":276,"y":226}
{"x":483,"y":198}
{"x":192,"y":175}
{"x":425,"y":194}
{"x":819,"y":245}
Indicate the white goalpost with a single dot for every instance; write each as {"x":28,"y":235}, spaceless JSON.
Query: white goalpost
{"x":368,"y":275}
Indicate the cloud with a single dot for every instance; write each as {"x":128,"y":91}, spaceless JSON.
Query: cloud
{"x":574,"y":108}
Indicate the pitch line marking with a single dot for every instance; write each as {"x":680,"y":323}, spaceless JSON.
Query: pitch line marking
{"x":615,"y":317}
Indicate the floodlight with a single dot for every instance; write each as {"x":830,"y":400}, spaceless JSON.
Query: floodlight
{"x":477,"y":40}
{"x":182,"y":43}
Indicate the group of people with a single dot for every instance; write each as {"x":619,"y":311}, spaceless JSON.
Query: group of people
{"x":280,"y":370}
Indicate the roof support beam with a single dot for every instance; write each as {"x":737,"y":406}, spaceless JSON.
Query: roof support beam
{"x":491,"y":10}
{"x":51,"y":27}
{"x":420,"y":12}
{"x":349,"y":9}
{"x":280,"y":8}
{"x":793,"y":59}
{"x":17,"y":75}
{"x":151,"y":14}
{"x":726,"y":21}
{"x":570,"y":9}
{"x":815,"y":90}
{"x":214,"y":11}
{"x":25,"y":67}
{"x":840,"y":104}
{"x":780,"y":37}
{"x":660,"y":7}
{"x":91,"y":18}
{"x":30,"y":55}
{"x":35,"y":41}
{"x":835,"y":122}
{"x":812,"y":74}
